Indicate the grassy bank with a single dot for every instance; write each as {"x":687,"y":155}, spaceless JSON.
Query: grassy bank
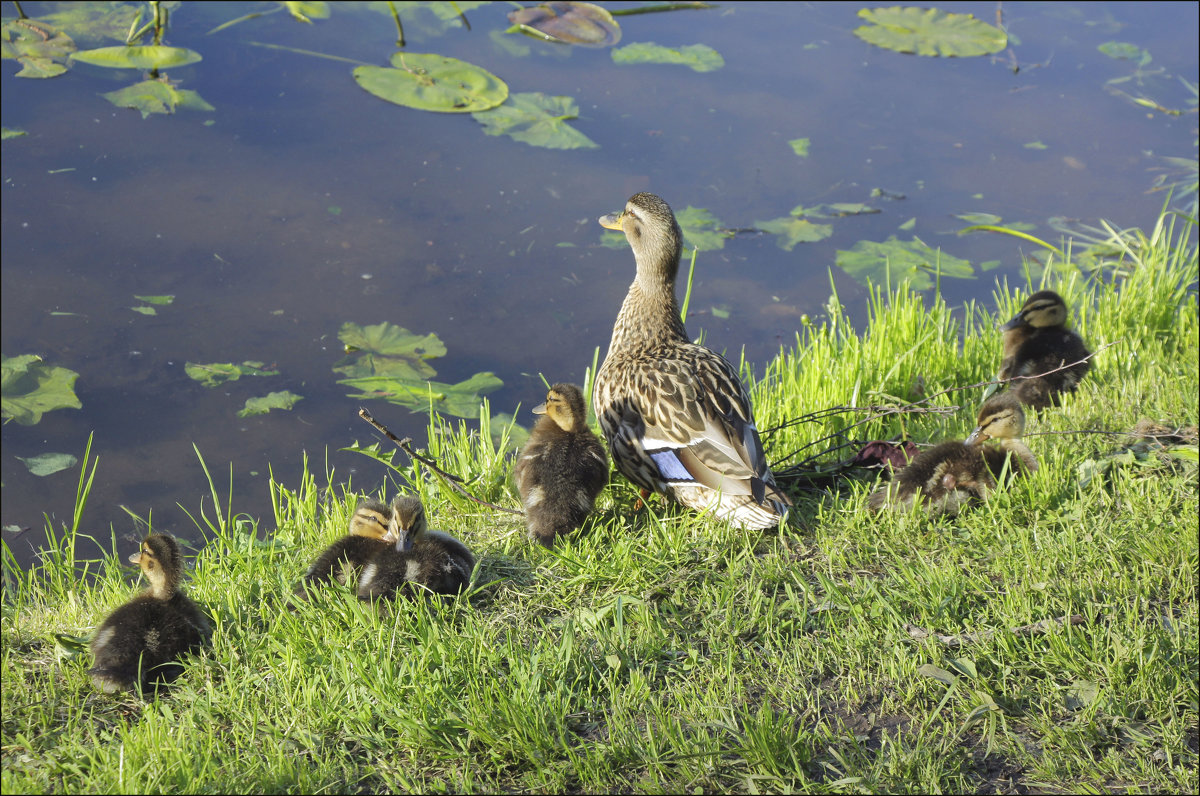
{"x":662,"y":652}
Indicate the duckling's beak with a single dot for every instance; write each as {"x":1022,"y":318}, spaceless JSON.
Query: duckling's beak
{"x":977,"y":436}
{"x":135,"y":558}
{"x":1017,"y":320}
{"x":613,"y":221}
{"x":540,"y":409}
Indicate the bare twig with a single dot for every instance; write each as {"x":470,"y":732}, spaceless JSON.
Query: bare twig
{"x":1044,"y":626}
{"x":453,"y":480}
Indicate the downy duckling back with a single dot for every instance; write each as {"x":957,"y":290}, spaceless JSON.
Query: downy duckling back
{"x":345,"y":558}
{"x":138,"y":646}
{"x":562,"y":468}
{"x":1036,"y":341}
{"x":416,"y":559}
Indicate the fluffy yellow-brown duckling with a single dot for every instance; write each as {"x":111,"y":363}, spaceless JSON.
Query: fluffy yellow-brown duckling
{"x":139,"y":645}
{"x":562,"y":467}
{"x":416,"y":559}
{"x":952,"y":475}
{"x":1036,"y":341}
{"x":343,"y":559}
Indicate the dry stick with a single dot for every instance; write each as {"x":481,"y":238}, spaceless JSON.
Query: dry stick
{"x":453,"y":480}
{"x":1044,"y":626}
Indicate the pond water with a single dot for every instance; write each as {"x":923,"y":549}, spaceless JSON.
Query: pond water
{"x":302,"y":203}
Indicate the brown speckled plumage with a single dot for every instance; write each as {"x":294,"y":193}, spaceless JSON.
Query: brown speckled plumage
{"x":1036,"y":341}
{"x":417,"y":560}
{"x":345,"y":558}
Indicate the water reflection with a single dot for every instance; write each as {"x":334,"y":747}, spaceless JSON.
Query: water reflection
{"x":308,"y":203}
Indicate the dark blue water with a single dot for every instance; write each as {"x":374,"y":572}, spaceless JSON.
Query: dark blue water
{"x":302,"y":202}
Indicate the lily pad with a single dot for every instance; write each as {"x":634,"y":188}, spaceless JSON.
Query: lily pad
{"x":537,"y":120}
{"x":162,"y":301}
{"x":38,"y":47}
{"x":94,"y":22}
{"x":701,"y":229}
{"x":388,"y":351}
{"x":29,"y":388}
{"x":460,"y":400}
{"x":156,"y":96}
{"x":697,"y":57}
{"x":150,"y":56}
{"x":432,"y":82}
{"x":585,"y":24}
{"x":48,"y":463}
{"x":307,"y":11}
{"x":929,"y":31}
{"x":800,"y":146}
{"x":893,"y":260}
{"x":275,"y":400}
{"x":216,"y":373}
{"x":795,"y":229}
{"x":1125,"y":51}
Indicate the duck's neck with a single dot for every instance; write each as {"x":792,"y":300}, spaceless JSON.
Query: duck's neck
{"x":162,"y":587}
{"x":650,"y":313}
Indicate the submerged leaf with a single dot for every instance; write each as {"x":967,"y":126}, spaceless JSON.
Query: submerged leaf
{"x":929,"y":32}
{"x":35,"y":45}
{"x":48,"y":463}
{"x":159,"y":300}
{"x":461,"y":400}
{"x":700,"y":229}
{"x":800,"y":146}
{"x":94,"y":22}
{"x":1125,"y":51}
{"x":432,"y":82}
{"x":585,"y":24}
{"x":388,"y":350}
{"x":275,"y":400}
{"x":29,"y":388}
{"x":698,"y":57}
{"x":893,"y":261}
{"x":216,"y":373}
{"x":793,"y":230}
{"x":156,"y":96}
{"x":150,"y":56}
{"x":537,"y":120}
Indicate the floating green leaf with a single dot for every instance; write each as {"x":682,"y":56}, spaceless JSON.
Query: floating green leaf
{"x":793,"y":230}
{"x":461,"y":400}
{"x":216,"y":373}
{"x":431,"y":82}
{"x":700,"y":229}
{"x":94,"y":22}
{"x":145,"y":310}
{"x":156,"y":96}
{"x":29,"y":388}
{"x":275,"y":400}
{"x":152,"y":56}
{"x":585,"y":24}
{"x":929,"y":32}
{"x":307,"y":11}
{"x":698,"y":57}
{"x":159,"y":300}
{"x":8,"y":132}
{"x":48,"y":463}
{"x":892,"y":261}
{"x":536,"y":120}
{"x":389,"y":351}
{"x":800,"y":146}
{"x":1125,"y":51}
{"x":36,"y":46}
{"x":1035,"y":145}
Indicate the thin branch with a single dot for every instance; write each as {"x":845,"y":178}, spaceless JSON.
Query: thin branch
{"x":453,"y":480}
{"x":1044,"y":626}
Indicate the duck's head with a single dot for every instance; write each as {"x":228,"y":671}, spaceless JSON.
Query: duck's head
{"x":407,"y":523}
{"x":1042,"y":309}
{"x":1000,"y":418}
{"x":371,"y":519}
{"x":161,"y":561}
{"x":564,"y":405}
{"x":653,"y":234}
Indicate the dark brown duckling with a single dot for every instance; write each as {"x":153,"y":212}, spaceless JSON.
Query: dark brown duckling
{"x":1036,"y":341}
{"x":562,"y":468}
{"x":952,"y":475}
{"x":417,"y":560}
{"x":138,"y":646}
{"x":343,"y":559}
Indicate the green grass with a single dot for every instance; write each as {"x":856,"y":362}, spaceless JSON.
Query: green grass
{"x":659,"y":651}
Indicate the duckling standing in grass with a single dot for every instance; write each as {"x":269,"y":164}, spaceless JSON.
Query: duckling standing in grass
{"x":138,"y":646}
{"x":1037,"y":341}
{"x":675,"y":414}
{"x":951,"y":475}
{"x":343,"y":559}
{"x":562,"y":468}
{"x":415,"y":557}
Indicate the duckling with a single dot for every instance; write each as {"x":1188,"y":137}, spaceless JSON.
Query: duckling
{"x":1036,"y":341}
{"x":415,"y":557}
{"x":137,"y":647}
{"x":676,"y":416}
{"x":954,"y":474}
{"x":343,"y":559}
{"x":562,"y":468}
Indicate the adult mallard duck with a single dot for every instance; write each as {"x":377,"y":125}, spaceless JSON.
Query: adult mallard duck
{"x":343,"y":559}
{"x":562,"y":467}
{"x":416,"y":559}
{"x":675,"y":414}
{"x":139,"y":645}
{"x":1036,"y":341}
{"x":952,"y":475}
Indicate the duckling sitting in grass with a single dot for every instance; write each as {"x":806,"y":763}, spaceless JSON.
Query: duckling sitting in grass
{"x":562,"y":468}
{"x":343,"y":559}
{"x":1036,"y":341}
{"x":137,"y":647}
{"x":952,"y":475}
{"x":416,"y":558}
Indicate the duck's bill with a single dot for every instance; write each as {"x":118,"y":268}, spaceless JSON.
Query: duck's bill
{"x":612,"y":221}
{"x":977,"y":436}
{"x":135,"y":558}
{"x":540,"y":409}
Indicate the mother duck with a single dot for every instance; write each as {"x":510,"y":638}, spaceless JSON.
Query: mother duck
{"x":675,"y":414}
